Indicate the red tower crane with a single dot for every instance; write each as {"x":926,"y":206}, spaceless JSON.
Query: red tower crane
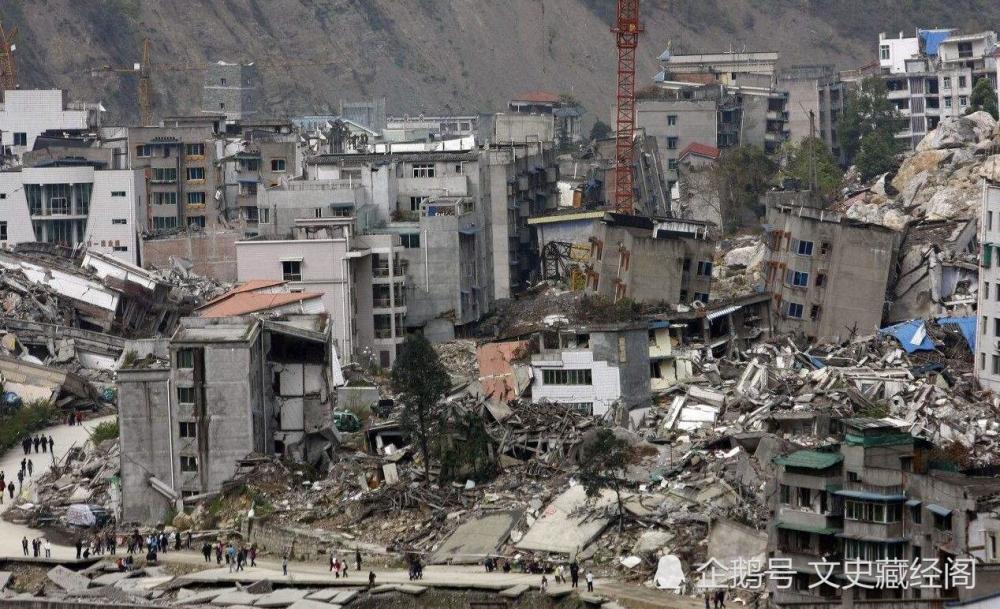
{"x":626,"y":29}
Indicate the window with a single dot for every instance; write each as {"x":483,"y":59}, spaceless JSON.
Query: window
{"x":805,"y":497}
{"x":185,"y":395}
{"x":964,"y":50}
{"x":672,"y":164}
{"x":996,"y":364}
{"x":786,"y":494}
{"x":119,"y":221}
{"x":197,"y":221}
{"x":961,"y":82}
{"x":195,"y":173}
{"x":164,"y":174}
{"x":120,"y":248}
{"x":985,"y":324}
{"x":423,"y":170}
{"x":415,"y":203}
{"x":963,"y":100}
{"x":59,"y":205}
{"x":194,"y":149}
{"x":883,"y":52}
{"x":164,"y":198}
{"x":567,"y":377}
{"x":20,"y":139}
{"x":671,"y":120}
{"x":701,"y":297}
{"x":671,"y":143}
{"x":622,"y":350}
{"x":947,"y":102}
{"x":189,"y":464}
{"x":222,"y":81}
{"x":814,"y":312}
{"x":986,"y":289}
{"x":185,"y":358}
{"x":291,"y":270}
{"x":805,"y":248}
{"x":263,"y":215}
{"x":704,"y":268}
{"x":795,"y":310}
{"x":318,"y":212}
{"x":410,"y":240}
{"x":796,"y":279}
{"x":3,"y":230}
{"x":989,"y":220}
{"x":458,"y":168}
{"x":946,"y":83}
{"x":996,"y":327}
{"x":686,"y":265}
{"x":170,"y":222}
{"x":277,"y":164}
{"x":222,"y":105}
{"x":868,"y":511}
{"x":196,"y":198}
{"x":942,"y":523}
{"x":188,"y":429}
{"x":248,"y":189}
{"x":820,"y":280}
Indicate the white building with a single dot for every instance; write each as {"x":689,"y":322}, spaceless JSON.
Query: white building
{"x":26,"y":113}
{"x":988,"y":330}
{"x":893,"y":52}
{"x":74,"y":205}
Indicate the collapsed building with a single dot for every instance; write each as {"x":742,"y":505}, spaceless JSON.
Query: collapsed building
{"x":221,"y":391}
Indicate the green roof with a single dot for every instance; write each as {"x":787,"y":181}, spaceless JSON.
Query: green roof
{"x":881,"y":439}
{"x":789,"y":526}
{"x":810,"y":459}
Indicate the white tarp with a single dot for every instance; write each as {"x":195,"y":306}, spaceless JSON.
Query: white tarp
{"x":669,"y":574}
{"x":80,"y":515}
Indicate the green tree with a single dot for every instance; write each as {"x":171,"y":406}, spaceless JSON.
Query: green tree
{"x":740,"y":178}
{"x":605,"y":462}
{"x":868,"y":111}
{"x":420,"y":380}
{"x":983,"y":98}
{"x":811,"y":155}
{"x":599,"y":131}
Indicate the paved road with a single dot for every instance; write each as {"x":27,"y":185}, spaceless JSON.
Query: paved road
{"x":64,"y":437}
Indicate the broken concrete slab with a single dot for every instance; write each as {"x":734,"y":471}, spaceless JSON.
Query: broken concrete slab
{"x":476,"y":538}
{"x":237,"y":597}
{"x":308,"y":604}
{"x":262,"y":587}
{"x":281,"y":598}
{"x":569,"y":523}
{"x":110,"y":579}
{"x":515,"y":591}
{"x":5,"y":577}
{"x":411,"y":589}
{"x":68,"y":580}
{"x":592,"y":599}
{"x":344,"y":596}
{"x":323,"y":595}
{"x":204,"y":597}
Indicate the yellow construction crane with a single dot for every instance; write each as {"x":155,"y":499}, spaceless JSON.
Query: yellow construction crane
{"x":8,"y":67}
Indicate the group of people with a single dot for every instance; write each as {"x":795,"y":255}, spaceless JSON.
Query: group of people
{"x":125,"y":563}
{"x":37,"y":546}
{"x":74,"y":418}
{"x":561,"y":572}
{"x":26,"y":471}
{"x":98,"y":546}
{"x":39,"y":442}
{"x":339,"y":567}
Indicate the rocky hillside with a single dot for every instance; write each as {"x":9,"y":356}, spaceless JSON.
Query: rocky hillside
{"x":433,"y":55}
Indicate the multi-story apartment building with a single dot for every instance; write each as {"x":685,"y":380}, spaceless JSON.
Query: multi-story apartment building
{"x":182,"y":174}
{"x":567,"y":116}
{"x":931,"y":75}
{"x":231,"y":89}
{"x":228,"y":387}
{"x":648,"y":259}
{"x":827,"y":274}
{"x":988,"y":331}
{"x":593,"y":367}
{"x":815,"y":102}
{"x":26,"y":113}
{"x":403,"y":128}
{"x":75,"y":204}
{"x":878,"y":496}
{"x":361,"y":277}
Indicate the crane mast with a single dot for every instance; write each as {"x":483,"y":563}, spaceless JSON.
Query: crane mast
{"x":627,"y":28}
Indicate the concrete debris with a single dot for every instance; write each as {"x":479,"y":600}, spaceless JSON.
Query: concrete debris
{"x":68,"y":580}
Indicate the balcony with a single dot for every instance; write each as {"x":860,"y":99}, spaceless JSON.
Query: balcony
{"x":458,"y":207}
{"x":873,"y":530}
{"x":808,"y":519}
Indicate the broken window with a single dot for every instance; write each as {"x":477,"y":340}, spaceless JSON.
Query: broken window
{"x":194,"y":149}
{"x":942,"y":522}
{"x":185,"y":395}
{"x":277,"y":164}
{"x":188,"y":429}
{"x":189,"y":464}
{"x":196,"y":221}
{"x":814,"y":312}
{"x":804,"y":497}
{"x":961,"y":82}
{"x":263,"y":215}
{"x":195,"y":173}
{"x":423,"y":170}
{"x":185,"y":358}
{"x":825,"y":248}
{"x":683,"y":295}
{"x":796,"y":279}
{"x":701,"y":297}
{"x":786,"y":494}
{"x":291,"y":270}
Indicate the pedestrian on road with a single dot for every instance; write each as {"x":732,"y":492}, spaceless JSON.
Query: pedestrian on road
{"x":574,"y":573}
{"x":708,"y":598}
{"x":24,"y":464}
{"x":34,"y":442}
{"x":10,"y":489}
{"x":253,"y":555}
{"x":206,"y":550}
{"x":26,"y":445}
{"x":44,"y":443}
{"x":24,"y":545}
{"x":357,"y":553}
{"x":218,"y":554}
{"x":20,"y":481}
{"x":189,"y":539}
{"x":48,"y":549}
{"x":590,"y":581}
{"x":79,"y":548}
{"x":371,"y":579}
{"x":52,"y":446}
{"x":720,"y":599}
{"x":177,"y":540}
{"x":284,"y":564}
{"x":30,"y":468}
{"x":545,"y":584}
{"x":35,"y":548}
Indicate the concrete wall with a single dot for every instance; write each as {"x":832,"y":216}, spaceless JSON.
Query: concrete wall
{"x":696,"y":122}
{"x":32,"y":111}
{"x":987,"y":355}
{"x":212,"y":253}
{"x":145,"y":433}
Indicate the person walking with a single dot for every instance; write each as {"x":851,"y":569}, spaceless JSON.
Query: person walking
{"x":218,"y":553}
{"x":357,"y":552}
{"x":24,"y":545}
{"x":253,"y":555}
{"x":34,"y":442}
{"x":20,"y":480}
{"x":545,"y":584}
{"x":10,"y":489}
{"x":206,"y":550}
{"x":590,"y":581}
{"x":48,"y":549}
{"x":79,"y":548}
{"x":574,"y":574}
{"x":26,"y":445}
{"x":371,"y":579}
{"x":45,"y":444}
{"x":284,"y":565}
{"x":52,"y":445}
{"x":720,"y":599}
{"x":30,"y":468}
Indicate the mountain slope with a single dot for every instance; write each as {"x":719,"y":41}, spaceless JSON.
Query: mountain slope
{"x":429,"y":55}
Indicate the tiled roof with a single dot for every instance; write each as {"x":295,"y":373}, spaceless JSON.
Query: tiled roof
{"x":704,"y":150}
{"x":810,"y":459}
{"x":248,"y":297}
{"x":537,"y":97}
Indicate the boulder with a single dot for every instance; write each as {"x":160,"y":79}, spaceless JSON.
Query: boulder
{"x":68,"y":580}
{"x":741,"y":256}
{"x":958,"y":132}
{"x":920,"y":163}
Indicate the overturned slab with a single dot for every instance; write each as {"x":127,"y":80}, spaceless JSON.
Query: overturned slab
{"x":476,"y":539}
{"x":281,"y":598}
{"x":68,"y":580}
{"x":569,"y":524}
